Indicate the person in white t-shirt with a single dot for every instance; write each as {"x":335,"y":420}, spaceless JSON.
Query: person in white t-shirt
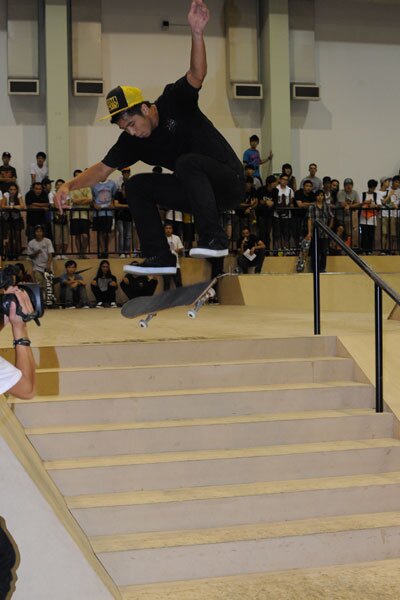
{"x":282,"y":217}
{"x":39,"y":169}
{"x":388,"y":218}
{"x":176,"y":247}
{"x":19,"y":380}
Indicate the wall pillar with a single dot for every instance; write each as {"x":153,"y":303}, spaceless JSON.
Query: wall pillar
{"x":275,"y":76}
{"x":57,"y":89}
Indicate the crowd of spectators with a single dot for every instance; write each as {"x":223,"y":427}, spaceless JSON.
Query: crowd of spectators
{"x":276,"y":211}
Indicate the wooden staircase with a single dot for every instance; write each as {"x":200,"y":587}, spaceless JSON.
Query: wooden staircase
{"x":195,"y":460}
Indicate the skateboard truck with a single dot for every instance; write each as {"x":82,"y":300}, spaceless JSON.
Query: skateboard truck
{"x":192,"y":313}
{"x":144,"y":323}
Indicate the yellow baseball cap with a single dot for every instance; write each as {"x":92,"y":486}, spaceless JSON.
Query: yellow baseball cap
{"x":121,"y":98}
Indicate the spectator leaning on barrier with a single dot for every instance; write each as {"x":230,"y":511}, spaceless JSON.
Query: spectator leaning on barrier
{"x":81,"y":201}
{"x":8,"y":174}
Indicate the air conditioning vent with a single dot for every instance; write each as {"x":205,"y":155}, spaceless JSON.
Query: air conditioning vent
{"x":247,"y":91}
{"x":305,"y":91}
{"x":23,"y":87}
{"x":88,"y":87}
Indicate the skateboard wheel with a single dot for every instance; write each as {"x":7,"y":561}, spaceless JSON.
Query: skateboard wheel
{"x":143,"y":324}
{"x":192,"y":314}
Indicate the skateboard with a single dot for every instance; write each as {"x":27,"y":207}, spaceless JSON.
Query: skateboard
{"x":303,"y":255}
{"x":195,"y":295}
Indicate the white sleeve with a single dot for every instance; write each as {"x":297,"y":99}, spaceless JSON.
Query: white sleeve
{"x":9,"y":375}
{"x":178,"y":242}
{"x":33,"y":171}
{"x":50,"y":248}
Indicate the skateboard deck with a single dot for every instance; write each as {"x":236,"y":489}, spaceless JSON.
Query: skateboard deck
{"x":303,"y":255}
{"x":195,"y":295}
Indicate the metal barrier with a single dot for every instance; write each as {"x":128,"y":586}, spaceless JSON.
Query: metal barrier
{"x":380,"y":285}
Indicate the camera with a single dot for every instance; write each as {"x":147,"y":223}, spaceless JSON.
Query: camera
{"x":7,"y":279}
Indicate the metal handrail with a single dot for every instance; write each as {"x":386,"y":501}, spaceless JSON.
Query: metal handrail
{"x":380,"y":285}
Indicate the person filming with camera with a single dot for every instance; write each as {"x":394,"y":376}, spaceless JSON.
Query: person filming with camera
{"x":18,"y":380}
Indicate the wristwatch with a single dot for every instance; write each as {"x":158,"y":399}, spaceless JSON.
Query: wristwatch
{"x":22,"y":342}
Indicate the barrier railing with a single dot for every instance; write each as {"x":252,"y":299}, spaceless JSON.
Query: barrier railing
{"x":380,"y":285}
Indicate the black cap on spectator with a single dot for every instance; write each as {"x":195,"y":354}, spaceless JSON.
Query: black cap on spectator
{"x":326,"y":179}
{"x":6,"y":154}
{"x":348,"y":181}
{"x":46,"y":180}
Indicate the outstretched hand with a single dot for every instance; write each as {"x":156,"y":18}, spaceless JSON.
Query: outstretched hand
{"x":198,"y":16}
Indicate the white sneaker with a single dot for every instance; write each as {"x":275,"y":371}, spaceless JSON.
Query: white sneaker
{"x":58,"y":257}
{"x":99,"y":305}
{"x":85,"y":306}
{"x":122,"y":256}
{"x":113,"y":305}
{"x":70,"y":307}
{"x":63,"y":257}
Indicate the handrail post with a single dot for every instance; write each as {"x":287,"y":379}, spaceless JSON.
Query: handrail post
{"x":316,"y":288}
{"x":378,"y":349}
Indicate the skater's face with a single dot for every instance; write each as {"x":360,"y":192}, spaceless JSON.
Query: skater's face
{"x":137,"y":125}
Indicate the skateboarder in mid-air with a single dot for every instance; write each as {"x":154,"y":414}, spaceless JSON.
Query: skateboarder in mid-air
{"x":207,"y":176}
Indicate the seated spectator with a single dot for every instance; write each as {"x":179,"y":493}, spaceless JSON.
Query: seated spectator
{"x":347,"y":199}
{"x":104,"y":286}
{"x":134,"y":286}
{"x":8,"y":174}
{"x":123,"y":218}
{"x":13,"y":223}
{"x":73,"y":287}
{"x":103,"y":198}
{"x":303,"y":198}
{"x":282,"y":216}
{"x":60,"y":225}
{"x":312,"y":175}
{"x":251,"y":252}
{"x":22,"y":276}
{"x":267,"y":196}
{"x":81,"y":202}
{"x":40,"y":250}
{"x":39,"y":168}
{"x":321,"y":211}
{"x":176,"y":247}
{"x":287,"y":169}
{"x":368,"y":217}
{"x":37,"y":203}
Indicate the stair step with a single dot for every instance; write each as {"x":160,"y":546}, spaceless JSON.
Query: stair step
{"x":353,"y":581}
{"x":182,"y":351}
{"x":206,"y":434}
{"x":229,"y":491}
{"x":230,"y":467}
{"x":249,"y":548}
{"x":195,"y":403}
{"x":186,"y":376}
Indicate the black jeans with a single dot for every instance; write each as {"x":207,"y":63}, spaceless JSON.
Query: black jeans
{"x":7,"y":562}
{"x":200,"y":185}
{"x":107,"y":296}
{"x":323,"y":249}
{"x":245,"y":264}
{"x":177,"y":279}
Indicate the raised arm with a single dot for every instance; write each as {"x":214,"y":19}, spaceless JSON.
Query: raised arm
{"x":198,"y":18}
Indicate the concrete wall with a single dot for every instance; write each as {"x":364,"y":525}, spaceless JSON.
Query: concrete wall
{"x":51,"y":565}
{"x":351,"y":131}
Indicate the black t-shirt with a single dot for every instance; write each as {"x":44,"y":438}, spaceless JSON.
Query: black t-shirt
{"x":264,"y":194}
{"x":302,"y":197}
{"x":182,"y":129}
{"x":8,"y":172}
{"x":250,"y":243}
{"x":35,"y":216}
{"x":122,"y":214}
